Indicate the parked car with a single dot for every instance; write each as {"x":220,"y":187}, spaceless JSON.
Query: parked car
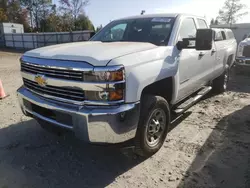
{"x":128,"y":81}
{"x":225,"y":40}
{"x":243,"y":53}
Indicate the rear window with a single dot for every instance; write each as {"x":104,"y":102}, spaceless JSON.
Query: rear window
{"x":202,"y":24}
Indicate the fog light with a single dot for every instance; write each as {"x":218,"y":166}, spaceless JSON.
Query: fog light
{"x":116,"y":95}
{"x":122,"y":116}
{"x":104,"y":95}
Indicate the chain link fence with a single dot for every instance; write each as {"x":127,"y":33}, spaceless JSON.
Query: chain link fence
{"x":36,"y":40}
{"x":2,"y":42}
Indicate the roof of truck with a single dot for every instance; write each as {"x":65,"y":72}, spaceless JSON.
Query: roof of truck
{"x":158,"y":15}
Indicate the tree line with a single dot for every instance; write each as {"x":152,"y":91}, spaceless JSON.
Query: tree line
{"x":230,"y":13}
{"x":44,"y":16}
{"x":69,"y":15}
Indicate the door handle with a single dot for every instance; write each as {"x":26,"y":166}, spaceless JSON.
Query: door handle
{"x":213,"y":50}
{"x":201,"y":54}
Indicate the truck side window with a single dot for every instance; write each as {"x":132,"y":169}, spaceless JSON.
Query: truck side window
{"x":202,"y":24}
{"x":218,"y":36}
{"x":188,"y":29}
{"x":230,"y":34}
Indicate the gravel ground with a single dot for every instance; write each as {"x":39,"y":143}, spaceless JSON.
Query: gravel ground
{"x":209,"y":146}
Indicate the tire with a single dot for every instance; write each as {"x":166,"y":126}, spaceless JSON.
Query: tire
{"x":152,"y":107}
{"x":220,"y":84}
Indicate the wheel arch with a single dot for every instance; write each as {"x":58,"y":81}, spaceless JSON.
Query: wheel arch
{"x":164,"y":88}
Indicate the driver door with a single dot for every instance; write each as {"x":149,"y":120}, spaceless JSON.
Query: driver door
{"x":190,"y":61}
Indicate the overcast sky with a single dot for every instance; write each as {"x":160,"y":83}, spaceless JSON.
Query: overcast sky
{"x":103,"y":11}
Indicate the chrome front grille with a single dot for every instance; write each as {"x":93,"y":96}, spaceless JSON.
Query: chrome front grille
{"x":246,"y":51}
{"x":53,"y":73}
{"x":66,"y":93}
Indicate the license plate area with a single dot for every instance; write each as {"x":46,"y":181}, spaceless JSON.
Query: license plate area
{"x":58,"y":116}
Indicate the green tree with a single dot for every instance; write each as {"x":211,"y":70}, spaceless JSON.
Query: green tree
{"x":83,"y":23}
{"x":232,"y":11}
{"x":38,"y":12}
{"x":74,"y":8}
{"x":98,"y":28}
{"x":53,"y":23}
{"x":11,"y":11}
{"x":3,"y":16}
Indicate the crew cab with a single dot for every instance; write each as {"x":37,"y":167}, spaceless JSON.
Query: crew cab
{"x":128,"y":81}
{"x":243,"y":53}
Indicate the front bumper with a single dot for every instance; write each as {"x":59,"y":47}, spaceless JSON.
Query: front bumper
{"x":242,"y":61}
{"x":92,"y":124}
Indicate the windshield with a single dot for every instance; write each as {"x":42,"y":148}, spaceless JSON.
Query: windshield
{"x":153,"y":30}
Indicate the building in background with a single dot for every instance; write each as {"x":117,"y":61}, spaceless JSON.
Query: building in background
{"x":11,"y":28}
{"x":240,"y":30}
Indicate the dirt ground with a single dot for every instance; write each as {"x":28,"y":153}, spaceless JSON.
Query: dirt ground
{"x":209,"y":146}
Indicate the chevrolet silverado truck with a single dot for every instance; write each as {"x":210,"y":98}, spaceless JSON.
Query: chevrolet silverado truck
{"x":243,"y":53}
{"x":128,"y":81}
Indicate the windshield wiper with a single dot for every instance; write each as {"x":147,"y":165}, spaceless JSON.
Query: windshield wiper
{"x":110,"y":41}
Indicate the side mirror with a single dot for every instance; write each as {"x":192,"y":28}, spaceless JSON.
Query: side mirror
{"x":182,"y":44}
{"x":204,"y":39}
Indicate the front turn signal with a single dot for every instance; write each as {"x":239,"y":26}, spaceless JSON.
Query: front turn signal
{"x":116,"y":95}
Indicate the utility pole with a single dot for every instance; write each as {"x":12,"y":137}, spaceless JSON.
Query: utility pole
{"x":30,"y":9}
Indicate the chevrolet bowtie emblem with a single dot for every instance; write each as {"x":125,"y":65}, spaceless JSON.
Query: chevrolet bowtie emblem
{"x":41,"y":80}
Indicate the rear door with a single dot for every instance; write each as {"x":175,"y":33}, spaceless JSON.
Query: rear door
{"x":220,"y":45}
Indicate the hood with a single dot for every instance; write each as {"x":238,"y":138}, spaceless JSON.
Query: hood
{"x":95,"y":53}
{"x":245,"y":42}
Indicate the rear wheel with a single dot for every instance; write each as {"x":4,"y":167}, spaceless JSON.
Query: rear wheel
{"x":220,"y":84}
{"x":153,"y":125}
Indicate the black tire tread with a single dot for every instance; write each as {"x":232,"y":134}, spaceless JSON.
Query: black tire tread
{"x":148,"y":103}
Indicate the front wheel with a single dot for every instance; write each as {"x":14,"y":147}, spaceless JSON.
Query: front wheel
{"x":153,"y":125}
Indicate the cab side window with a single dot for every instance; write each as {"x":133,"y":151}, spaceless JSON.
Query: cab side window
{"x":188,"y":29}
{"x":230,"y":35}
{"x":218,"y":36}
{"x":202,"y":24}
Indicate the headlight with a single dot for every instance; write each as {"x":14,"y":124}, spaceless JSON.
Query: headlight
{"x":110,"y":76}
{"x":99,"y":75}
{"x":240,"y":50}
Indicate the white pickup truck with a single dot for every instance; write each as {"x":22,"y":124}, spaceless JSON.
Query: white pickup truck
{"x":243,"y":53}
{"x":128,"y":80}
